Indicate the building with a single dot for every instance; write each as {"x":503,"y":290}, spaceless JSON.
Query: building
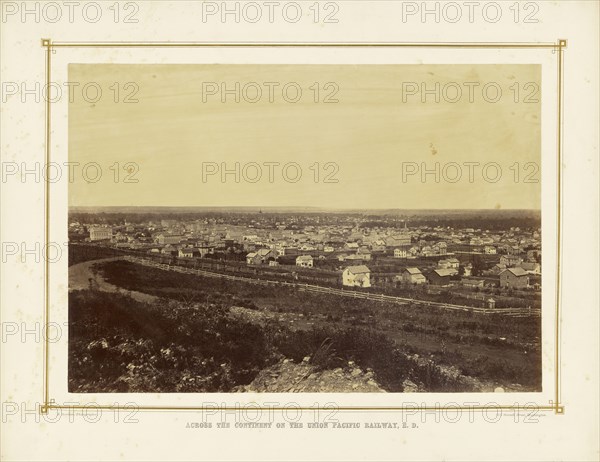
{"x":468,"y":269}
{"x":496,"y":269}
{"x":164,"y":239}
{"x":472,"y":283}
{"x":356,"y":276}
{"x":355,"y":258}
{"x":98,"y":233}
{"x":449,"y":263}
{"x":188,"y":252}
{"x":399,"y":240}
{"x":401,"y":252}
{"x":489,"y":250}
{"x":412,"y":276}
{"x":261,"y":256}
{"x":531,"y":267}
{"x":441,"y":276}
{"x":441,"y":248}
{"x":351,"y":246}
{"x":169,"y":250}
{"x":510,"y":260}
{"x":514,"y":278}
{"x":304,"y":261}
{"x":378,"y":246}
{"x":426,"y":251}
{"x":204,"y":250}
{"x":363,"y":254}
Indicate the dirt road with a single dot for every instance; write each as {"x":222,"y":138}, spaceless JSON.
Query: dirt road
{"x":82,"y":276}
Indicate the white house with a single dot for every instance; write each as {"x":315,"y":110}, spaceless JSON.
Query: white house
{"x":357,"y":276}
{"x":449,"y":263}
{"x":489,"y":250}
{"x":305,"y":261}
{"x":413,"y":276}
{"x":400,"y":252}
{"x":188,"y":253}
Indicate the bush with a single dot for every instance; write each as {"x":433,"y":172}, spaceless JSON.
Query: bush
{"x":119,"y":344}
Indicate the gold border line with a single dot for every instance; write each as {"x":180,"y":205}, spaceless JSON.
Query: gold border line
{"x":556,"y":46}
{"x":559,"y":140}
{"x":44,"y":408}
{"x":549,"y":45}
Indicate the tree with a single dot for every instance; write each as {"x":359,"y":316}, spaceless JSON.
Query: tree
{"x":478,"y":265}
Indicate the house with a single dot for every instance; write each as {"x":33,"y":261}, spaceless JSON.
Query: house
{"x":351,"y":246}
{"x":441,"y":276}
{"x":363,"y":254}
{"x":164,"y":239}
{"x":98,"y":233}
{"x":468,"y":269}
{"x":531,"y":267}
{"x":449,"y":263}
{"x":472,"y":283}
{"x":204,"y":250}
{"x":291,"y":251}
{"x":188,"y":252}
{"x":400,"y":252}
{"x":510,"y":260}
{"x":398,"y":240}
{"x":169,"y":250}
{"x":119,"y":237}
{"x":355,"y":258}
{"x":357,"y":276}
{"x":328,"y":249}
{"x":426,"y":251}
{"x":412,"y":276}
{"x":497,"y":269}
{"x":440,"y":248}
{"x":261,"y":256}
{"x":489,"y":250}
{"x":304,"y":261}
{"x":249,"y":246}
{"x":514,"y":278}
{"x":378,"y":246}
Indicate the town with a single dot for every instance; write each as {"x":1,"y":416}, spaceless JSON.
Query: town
{"x":487,"y":266}
{"x":290,"y":300}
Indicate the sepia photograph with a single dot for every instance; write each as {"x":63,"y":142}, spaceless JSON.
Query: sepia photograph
{"x":325,"y":230}
{"x":305,"y":228}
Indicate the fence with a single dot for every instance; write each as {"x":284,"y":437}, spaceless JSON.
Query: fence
{"x":516,"y":312}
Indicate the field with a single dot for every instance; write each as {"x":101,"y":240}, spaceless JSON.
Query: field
{"x":192,"y":318}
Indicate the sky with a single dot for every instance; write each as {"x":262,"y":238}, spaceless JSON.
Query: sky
{"x":367,"y":147}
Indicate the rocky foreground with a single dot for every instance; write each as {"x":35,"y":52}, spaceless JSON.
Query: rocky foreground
{"x":289,"y":377}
